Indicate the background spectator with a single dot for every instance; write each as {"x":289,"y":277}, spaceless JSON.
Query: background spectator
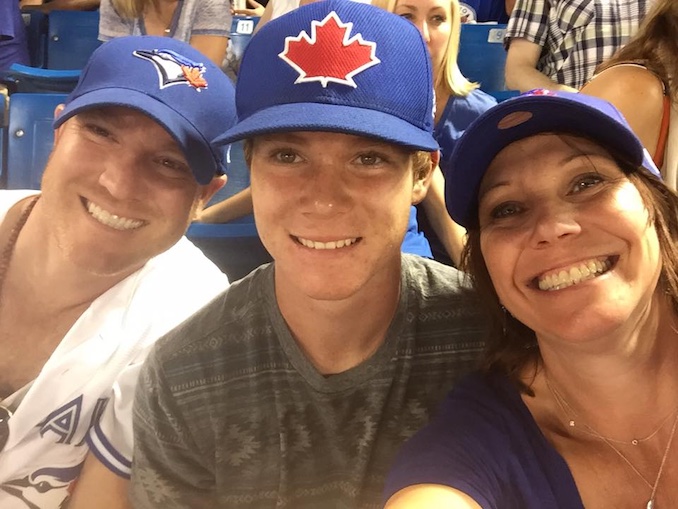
{"x":60,"y":5}
{"x":13,"y":48}
{"x":558,"y":44}
{"x":204,"y":24}
{"x":640,"y":80}
{"x":483,"y":11}
{"x":458,"y":103}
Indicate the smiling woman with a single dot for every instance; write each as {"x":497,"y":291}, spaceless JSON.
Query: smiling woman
{"x":572,"y":246}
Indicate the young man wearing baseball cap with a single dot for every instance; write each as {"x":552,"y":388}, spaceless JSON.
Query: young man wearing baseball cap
{"x":94,"y":268}
{"x":296,"y":386}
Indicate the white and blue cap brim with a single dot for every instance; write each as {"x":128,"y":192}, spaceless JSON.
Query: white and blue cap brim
{"x":536,"y":112}
{"x":195,"y":148}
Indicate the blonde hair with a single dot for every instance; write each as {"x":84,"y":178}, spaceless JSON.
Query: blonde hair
{"x":133,"y":9}
{"x":449,"y":78}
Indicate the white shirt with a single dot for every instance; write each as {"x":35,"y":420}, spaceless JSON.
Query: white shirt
{"x":96,"y":361}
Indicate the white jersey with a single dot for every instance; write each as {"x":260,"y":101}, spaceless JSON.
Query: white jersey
{"x":97,"y":361}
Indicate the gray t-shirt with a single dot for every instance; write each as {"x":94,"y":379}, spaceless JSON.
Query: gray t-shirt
{"x":231,"y":414}
{"x":191,"y":17}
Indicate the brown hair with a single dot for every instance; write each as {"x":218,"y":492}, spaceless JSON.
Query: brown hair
{"x":655,"y":45}
{"x":511,"y":345}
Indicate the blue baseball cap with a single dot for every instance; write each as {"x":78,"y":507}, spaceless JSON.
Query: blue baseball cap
{"x":337,"y":66}
{"x":172,"y":83}
{"x":534,"y":112}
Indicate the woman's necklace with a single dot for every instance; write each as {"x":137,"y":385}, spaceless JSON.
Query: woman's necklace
{"x":8,"y":251}
{"x":567,"y":409}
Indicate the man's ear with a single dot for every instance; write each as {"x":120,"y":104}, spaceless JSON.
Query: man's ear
{"x":209,"y":190}
{"x":422,"y":181}
{"x":57,"y":112}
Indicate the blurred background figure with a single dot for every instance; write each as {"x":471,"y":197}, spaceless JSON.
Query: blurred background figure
{"x":458,"y":103}
{"x":484,"y":11}
{"x":558,"y":44}
{"x":640,"y":80}
{"x":204,"y":24}
{"x":13,"y":48}
{"x":59,"y":5}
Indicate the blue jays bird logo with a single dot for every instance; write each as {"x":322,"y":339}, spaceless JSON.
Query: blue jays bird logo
{"x":174,"y":69}
{"x":47,"y":487}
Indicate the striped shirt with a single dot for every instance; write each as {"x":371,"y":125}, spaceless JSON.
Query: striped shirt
{"x":575,"y":35}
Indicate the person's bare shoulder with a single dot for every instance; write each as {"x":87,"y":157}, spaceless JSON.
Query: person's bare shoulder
{"x":626,"y":83}
{"x":638,"y":93}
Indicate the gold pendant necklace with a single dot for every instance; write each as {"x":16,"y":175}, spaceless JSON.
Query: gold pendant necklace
{"x":567,"y":408}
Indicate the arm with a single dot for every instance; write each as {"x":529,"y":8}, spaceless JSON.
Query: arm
{"x":638,"y":94}
{"x":521,"y":68}
{"x":450,"y":233}
{"x":255,"y":9}
{"x":509,"y":5}
{"x":266,"y":16}
{"x":70,"y":5}
{"x":212,"y":46}
{"x":98,"y":487}
{"x":210,"y":27}
{"x":238,"y":205}
{"x":431,"y":496}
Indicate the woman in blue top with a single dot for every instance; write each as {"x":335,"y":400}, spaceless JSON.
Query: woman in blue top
{"x":572,"y":244}
{"x":458,"y":103}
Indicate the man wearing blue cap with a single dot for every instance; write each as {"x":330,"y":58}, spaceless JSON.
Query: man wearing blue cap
{"x":94,"y":268}
{"x":295,"y":387}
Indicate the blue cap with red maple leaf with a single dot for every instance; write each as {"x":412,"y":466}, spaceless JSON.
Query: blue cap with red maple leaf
{"x":168,"y":80}
{"x":338,"y":66}
{"x":534,"y":112}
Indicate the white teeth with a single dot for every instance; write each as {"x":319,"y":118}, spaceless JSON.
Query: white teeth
{"x":327,"y":245}
{"x":576,"y":274}
{"x":109,"y":219}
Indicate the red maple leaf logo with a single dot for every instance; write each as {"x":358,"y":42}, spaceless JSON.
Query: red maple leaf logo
{"x":330,"y":54}
{"x":194,"y":76}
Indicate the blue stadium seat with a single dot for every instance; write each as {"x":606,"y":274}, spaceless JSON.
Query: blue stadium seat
{"x":242,"y":28}
{"x":3,"y":140}
{"x":26,"y":79}
{"x":36,"y":36}
{"x":29,"y":138}
{"x":482,"y":57}
{"x":72,"y":38}
{"x":233,"y":247}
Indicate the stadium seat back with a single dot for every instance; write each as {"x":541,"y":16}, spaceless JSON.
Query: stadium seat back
{"x":482,"y":57}
{"x":30,"y":137}
{"x":72,"y":38}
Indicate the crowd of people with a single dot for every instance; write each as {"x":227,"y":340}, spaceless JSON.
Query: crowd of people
{"x":470,"y":304}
